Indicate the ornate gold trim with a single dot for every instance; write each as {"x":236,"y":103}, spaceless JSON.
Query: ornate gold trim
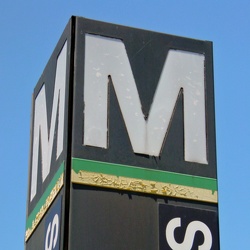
{"x":45,"y":207}
{"x":144,"y":186}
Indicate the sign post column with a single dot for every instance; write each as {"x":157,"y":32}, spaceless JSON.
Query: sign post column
{"x":131,"y":133}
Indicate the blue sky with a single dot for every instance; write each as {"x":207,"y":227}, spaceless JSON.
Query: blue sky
{"x":29,"y":33}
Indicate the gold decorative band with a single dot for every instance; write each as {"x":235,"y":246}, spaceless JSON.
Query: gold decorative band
{"x":144,"y":186}
{"x":45,"y":207}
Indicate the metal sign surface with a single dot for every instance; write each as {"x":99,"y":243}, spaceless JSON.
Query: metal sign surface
{"x":187,"y":228}
{"x":49,"y":135}
{"x":143,"y":112}
{"x":123,"y":120}
{"x":53,"y":227}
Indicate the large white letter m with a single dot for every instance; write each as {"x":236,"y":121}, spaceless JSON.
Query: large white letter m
{"x":41,"y":133}
{"x":182,"y":70}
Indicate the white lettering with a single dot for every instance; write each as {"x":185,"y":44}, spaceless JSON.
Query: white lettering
{"x":52,"y":234}
{"x":40,"y":131}
{"x":182,"y":71}
{"x":189,"y":235}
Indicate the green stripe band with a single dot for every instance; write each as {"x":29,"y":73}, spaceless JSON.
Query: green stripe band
{"x":143,"y":173}
{"x":45,"y":195}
